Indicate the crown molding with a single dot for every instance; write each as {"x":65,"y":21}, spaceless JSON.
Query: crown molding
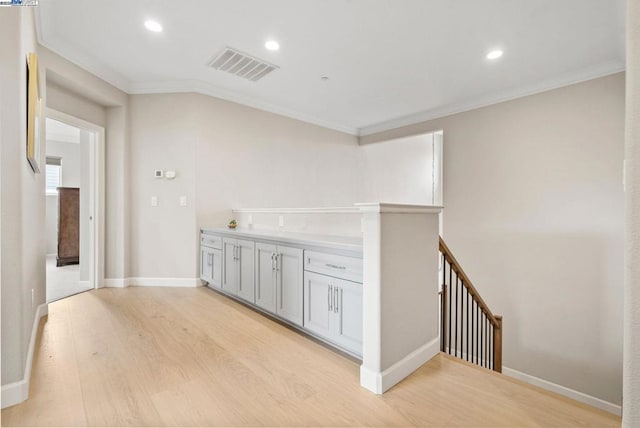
{"x":567,"y":79}
{"x":205,"y":88}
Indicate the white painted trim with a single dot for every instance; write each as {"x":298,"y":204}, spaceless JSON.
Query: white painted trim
{"x":16,"y":392}
{"x":550,"y":386}
{"x":151,"y":282}
{"x":563,"y":390}
{"x":165,"y":282}
{"x":494,"y":98}
{"x":381,"y":207}
{"x":115,"y":282}
{"x":325,"y":210}
{"x":381,"y":382}
{"x":206,"y":88}
{"x":97,"y":204}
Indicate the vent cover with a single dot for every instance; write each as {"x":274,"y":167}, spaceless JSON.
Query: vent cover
{"x":235,"y":62}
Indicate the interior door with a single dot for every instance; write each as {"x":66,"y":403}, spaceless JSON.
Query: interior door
{"x":265,"y":276}
{"x":289,"y":277}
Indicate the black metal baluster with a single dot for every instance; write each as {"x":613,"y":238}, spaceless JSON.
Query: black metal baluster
{"x":491,"y":355}
{"x":482,"y":340}
{"x":473,"y":322}
{"x":455,"y":341}
{"x":467,"y":346}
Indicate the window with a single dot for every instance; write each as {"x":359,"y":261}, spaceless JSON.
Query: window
{"x":53,"y":175}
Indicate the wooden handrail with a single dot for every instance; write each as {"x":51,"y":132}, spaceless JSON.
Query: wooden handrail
{"x":466,"y":282}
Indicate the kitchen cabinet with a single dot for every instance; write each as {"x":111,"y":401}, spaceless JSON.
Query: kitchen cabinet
{"x":288,"y":262}
{"x":265,"y":276}
{"x":211,"y":261}
{"x":333,"y":310}
{"x":238,"y":274}
{"x":278,"y":280}
{"x":319,"y":292}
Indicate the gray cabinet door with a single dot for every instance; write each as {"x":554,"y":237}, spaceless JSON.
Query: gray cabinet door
{"x":229,"y":266}
{"x":317,"y":304}
{"x":289,"y":277}
{"x":206,"y":264}
{"x":265,"y":276}
{"x":348,"y":315}
{"x":245,"y":255}
{"x":216,"y":276}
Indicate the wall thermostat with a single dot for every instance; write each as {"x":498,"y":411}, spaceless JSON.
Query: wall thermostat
{"x":170,"y":175}
{"x":158,"y":173}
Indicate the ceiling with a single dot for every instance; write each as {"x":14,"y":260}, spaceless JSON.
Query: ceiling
{"x":389,"y":62}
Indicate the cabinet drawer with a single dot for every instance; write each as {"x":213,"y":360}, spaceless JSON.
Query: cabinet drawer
{"x":349,"y":268}
{"x":211,"y":241}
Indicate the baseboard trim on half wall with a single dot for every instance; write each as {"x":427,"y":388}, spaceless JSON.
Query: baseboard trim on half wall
{"x":381,"y":382}
{"x":151,"y":282}
{"x":17,"y":392}
{"x":563,"y":390}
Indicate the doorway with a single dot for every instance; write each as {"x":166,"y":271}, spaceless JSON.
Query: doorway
{"x":74,"y":201}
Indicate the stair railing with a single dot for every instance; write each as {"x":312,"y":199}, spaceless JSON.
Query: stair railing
{"x":468,"y":328}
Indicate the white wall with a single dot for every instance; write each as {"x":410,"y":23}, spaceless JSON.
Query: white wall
{"x":226,"y":155}
{"x":631,"y":405}
{"x":401,"y":171}
{"x":23,"y":204}
{"x":534,"y":212}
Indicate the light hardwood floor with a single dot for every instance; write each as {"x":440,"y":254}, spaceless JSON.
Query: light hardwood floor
{"x":189,"y":356}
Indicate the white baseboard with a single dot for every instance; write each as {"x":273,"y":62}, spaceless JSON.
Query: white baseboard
{"x":151,"y":282}
{"x":562,"y":390}
{"x":554,"y":387}
{"x":379,"y":382}
{"x":115,"y":282}
{"x":16,"y":392}
{"x":165,"y":282}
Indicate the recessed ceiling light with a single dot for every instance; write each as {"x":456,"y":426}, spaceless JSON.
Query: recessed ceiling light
{"x":494,"y":54}
{"x":324,"y":78}
{"x":153,"y":26}
{"x":272,"y":45}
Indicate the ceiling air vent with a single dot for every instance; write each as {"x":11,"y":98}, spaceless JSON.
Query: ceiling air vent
{"x":235,"y":62}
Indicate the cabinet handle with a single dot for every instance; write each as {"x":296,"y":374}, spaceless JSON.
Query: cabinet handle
{"x":335,"y":266}
{"x":273,"y":255}
{"x":329,"y":294}
{"x":278,"y":262}
{"x":335,"y":305}
{"x":340,"y":323}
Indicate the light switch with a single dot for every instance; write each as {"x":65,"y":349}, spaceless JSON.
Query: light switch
{"x":154,"y":201}
{"x":183,"y":201}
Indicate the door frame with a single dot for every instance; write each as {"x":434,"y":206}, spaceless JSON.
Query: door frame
{"x":96,"y":194}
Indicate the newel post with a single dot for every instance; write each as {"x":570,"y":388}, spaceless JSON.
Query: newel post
{"x":497,"y":346}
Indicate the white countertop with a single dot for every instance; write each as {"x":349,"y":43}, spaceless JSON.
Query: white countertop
{"x":345,"y":243}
